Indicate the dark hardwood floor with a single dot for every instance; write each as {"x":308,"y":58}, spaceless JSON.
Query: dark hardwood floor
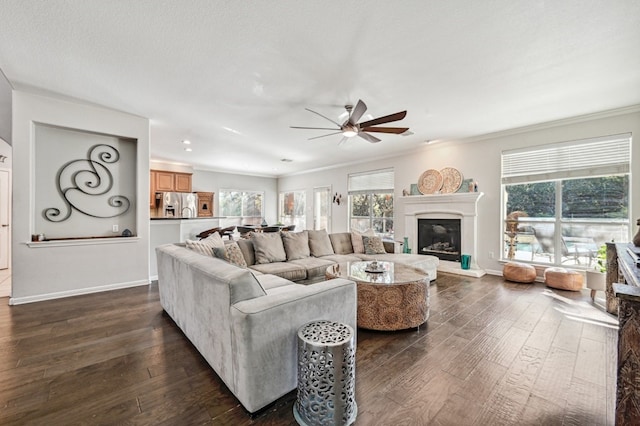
{"x":493,"y":353}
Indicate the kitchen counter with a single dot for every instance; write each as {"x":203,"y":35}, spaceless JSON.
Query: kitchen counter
{"x":188,"y":218}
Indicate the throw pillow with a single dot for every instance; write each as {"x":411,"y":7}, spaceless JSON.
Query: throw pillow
{"x":199,"y":247}
{"x":373,"y":245}
{"x":319,"y":243}
{"x":296,"y":244}
{"x":234,"y":255}
{"x":268,"y":247}
{"x":356,"y":239}
{"x":213,"y":240}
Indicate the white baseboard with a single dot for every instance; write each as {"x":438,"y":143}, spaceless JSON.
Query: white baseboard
{"x":78,"y":292}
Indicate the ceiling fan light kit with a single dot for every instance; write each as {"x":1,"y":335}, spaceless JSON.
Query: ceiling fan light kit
{"x":351,"y":127}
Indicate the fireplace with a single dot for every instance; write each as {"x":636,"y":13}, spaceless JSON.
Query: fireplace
{"x":459,"y":207}
{"x":440,"y":237}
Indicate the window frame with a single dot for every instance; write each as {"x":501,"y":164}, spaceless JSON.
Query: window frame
{"x":523,"y":170}
{"x":242,"y":219}
{"x":372,"y":183}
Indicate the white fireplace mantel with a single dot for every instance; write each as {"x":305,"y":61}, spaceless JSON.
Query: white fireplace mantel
{"x":463,"y":206}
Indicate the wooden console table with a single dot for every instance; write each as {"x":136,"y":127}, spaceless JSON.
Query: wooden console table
{"x":626,"y":296}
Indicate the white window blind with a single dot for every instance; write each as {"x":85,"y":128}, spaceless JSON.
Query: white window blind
{"x":375,"y":181}
{"x":609,"y":155}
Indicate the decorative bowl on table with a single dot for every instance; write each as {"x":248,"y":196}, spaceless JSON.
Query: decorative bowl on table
{"x":374,"y":267}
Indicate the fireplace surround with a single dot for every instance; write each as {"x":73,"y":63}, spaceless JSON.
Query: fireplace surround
{"x":458,"y":206}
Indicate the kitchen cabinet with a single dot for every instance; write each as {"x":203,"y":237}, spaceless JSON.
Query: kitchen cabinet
{"x":164,"y":181}
{"x":152,"y":189}
{"x":182,"y":182}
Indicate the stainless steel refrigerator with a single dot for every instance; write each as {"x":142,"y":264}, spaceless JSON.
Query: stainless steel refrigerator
{"x":176,"y":204}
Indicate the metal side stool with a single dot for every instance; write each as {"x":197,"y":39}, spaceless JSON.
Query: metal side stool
{"x":326,"y":374}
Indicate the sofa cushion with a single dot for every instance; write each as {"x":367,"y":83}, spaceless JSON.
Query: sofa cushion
{"x":373,"y":245}
{"x":296,"y":244}
{"x":314,"y":266}
{"x":287,"y":270}
{"x":268,"y":247}
{"x":269,"y":282}
{"x":356,"y":239}
{"x":341,"y":258}
{"x":246,"y":247}
{"x":319,"y":243}
{"x":341,"y":243}
{"x":243,"y":285}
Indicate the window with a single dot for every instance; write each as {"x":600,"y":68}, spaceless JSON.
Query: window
{"x":292,"y":209}
{"x":241,"y":207}
{"x":564,"y":201}
{"x":371,"y":202}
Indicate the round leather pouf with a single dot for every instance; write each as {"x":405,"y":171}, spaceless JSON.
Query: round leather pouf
{"x":519,"y":272}
{"x":563,"y":279}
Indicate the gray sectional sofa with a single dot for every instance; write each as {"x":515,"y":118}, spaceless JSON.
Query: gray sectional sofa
{"x":244,"y":320}
{"x":325,"y":250}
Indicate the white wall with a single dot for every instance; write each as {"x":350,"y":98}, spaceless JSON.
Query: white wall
{"x":210,"y":181}
{"x":5,"y":109}
{"x":479,"y":159}
{"x":47,"y":270}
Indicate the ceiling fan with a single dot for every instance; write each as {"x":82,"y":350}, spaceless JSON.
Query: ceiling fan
{"x":351,"y":127}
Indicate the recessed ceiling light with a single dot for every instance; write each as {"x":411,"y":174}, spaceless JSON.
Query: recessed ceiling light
{"x":188,"y":149}
{"x":286,"y":160}
{"x":186,"y":142}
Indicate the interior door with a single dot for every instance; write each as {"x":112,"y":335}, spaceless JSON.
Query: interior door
{"x":322,"y":208}
{"x":4,"y":219}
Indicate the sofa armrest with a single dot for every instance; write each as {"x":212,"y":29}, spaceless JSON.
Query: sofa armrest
{"x":264,"y":336}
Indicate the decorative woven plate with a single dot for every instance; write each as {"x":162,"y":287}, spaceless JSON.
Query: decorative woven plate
{"x":452,"y":179}
{"x":430,"y":181}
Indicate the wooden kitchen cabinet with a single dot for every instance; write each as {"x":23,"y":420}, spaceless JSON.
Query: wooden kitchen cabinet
{"x":152,"y":189}
{"x":164,"y":181}
{"x":182,"y":182}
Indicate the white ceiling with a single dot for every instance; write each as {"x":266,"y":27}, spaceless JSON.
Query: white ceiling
{"x":232,"y":76}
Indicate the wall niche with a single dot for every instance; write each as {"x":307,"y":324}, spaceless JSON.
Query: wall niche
{"x":85,"y":184}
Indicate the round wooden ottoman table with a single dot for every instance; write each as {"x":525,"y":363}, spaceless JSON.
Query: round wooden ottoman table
{"x":392,"y":296}
{"x":519,"y":272}
{"x":563,"y":279}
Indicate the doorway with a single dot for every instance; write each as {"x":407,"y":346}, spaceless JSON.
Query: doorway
{"x":322,"y":208}
{"x":5,"y":214}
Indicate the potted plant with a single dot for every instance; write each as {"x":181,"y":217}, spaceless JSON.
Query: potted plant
{"x":597,"y":277}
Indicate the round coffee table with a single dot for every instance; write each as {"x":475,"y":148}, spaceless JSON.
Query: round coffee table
{"x":394,"y":299}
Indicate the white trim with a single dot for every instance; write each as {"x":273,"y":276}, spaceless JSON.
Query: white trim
{"x":82,"y":242}
{"x":78,"y":292}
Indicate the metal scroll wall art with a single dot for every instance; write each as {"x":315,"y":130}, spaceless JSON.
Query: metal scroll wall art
{"x":83,"y":184}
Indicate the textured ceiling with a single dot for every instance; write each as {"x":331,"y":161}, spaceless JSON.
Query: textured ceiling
{"x":232,"y":76}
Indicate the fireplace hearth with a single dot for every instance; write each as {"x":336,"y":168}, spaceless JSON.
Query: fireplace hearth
{"x":440,"y":237}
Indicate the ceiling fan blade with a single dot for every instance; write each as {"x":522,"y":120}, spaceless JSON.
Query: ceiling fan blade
{"x":386,"y":119}
{"x":368,"y":137}
{"x":313,"y":128}
{"x":396,"y":130}
{"x":326,"y":118}
{"x":357,"y":112}
{"x":324,"y":136}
